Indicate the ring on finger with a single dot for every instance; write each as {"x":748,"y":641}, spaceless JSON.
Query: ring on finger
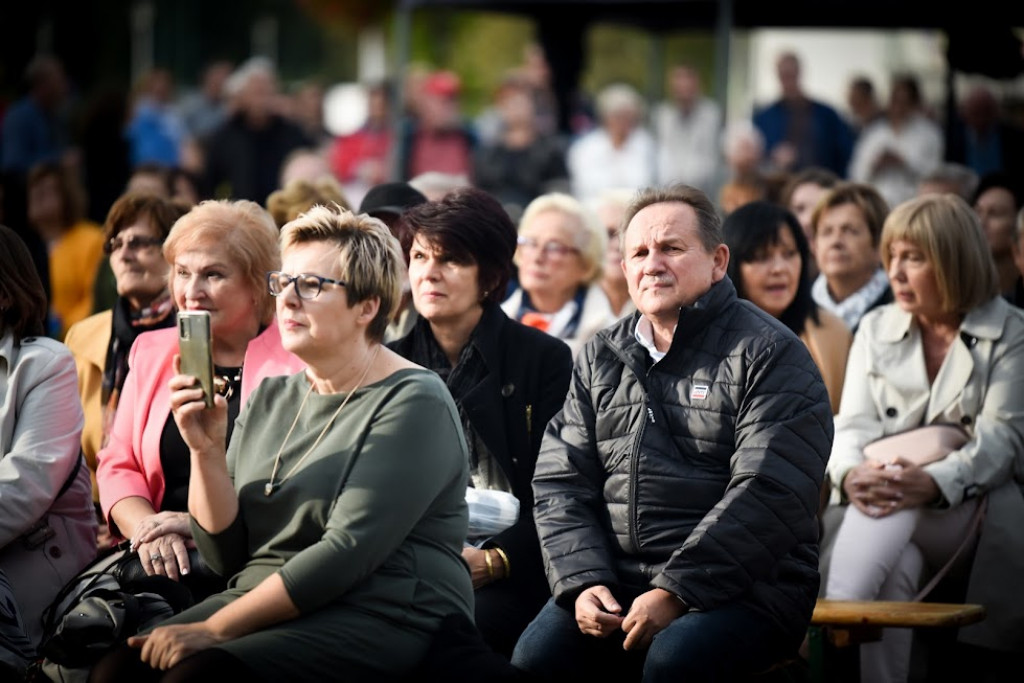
{"x":155,"y":558}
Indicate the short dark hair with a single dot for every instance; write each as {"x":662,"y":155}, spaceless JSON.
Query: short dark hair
{"x":131,"y":206}
{"x":23,"y":305}
{"x":755,"y":226}
{"x":469,"y":225}
{"x":708,"y":220}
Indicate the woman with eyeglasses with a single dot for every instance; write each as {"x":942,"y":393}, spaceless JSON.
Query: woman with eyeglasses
{"x":561,"y":249}
{"x":339,"y":508}
{"x":507,"y":380}
{"x":133,"y":233}
{"x":219,"y":254}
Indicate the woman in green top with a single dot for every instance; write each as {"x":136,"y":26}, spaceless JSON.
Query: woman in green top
{"x":339,"y":509}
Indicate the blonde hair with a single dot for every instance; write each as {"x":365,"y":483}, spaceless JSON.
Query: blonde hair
{"x":370,"y":257}
{"x":299,"y":195}
{"x":590,"y":235}
{"x":949,"y":233}
{"x":244,"y":230}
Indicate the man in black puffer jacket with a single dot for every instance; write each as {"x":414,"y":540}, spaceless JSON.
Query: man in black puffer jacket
{"x":677,"y":490}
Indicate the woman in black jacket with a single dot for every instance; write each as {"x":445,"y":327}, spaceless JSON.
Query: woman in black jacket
{"x":507,"y":380}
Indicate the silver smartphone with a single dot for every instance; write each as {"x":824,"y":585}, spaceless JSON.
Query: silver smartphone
{"x":196,"y":351}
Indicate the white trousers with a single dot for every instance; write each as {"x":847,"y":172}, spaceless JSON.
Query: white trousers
{"x":885,"y":559}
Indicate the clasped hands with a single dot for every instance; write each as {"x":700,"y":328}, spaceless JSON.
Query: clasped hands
{"x":879,"y":489}
{"x":161,"y":540}
{"x":599,"y":614}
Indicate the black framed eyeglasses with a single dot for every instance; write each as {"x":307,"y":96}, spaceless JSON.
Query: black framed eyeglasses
{"x":551,"y":248}
{"x":307,"y":285}
{"x":133,"y":243}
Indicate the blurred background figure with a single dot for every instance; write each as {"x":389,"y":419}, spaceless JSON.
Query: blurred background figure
{"x":900,"y":148}
{"x":156,"y":132}
{"x":997,"y":200}
{"x":800,"y":131}
{"x":306,"y":102}
{"x":620,"y":152}
{"x":362,"y":159}
{"x":56,"y":211}
{"x":299,"y":195}
{"x":610,"y":209}
{"x":800,"y":196}
{"x":949,"y":177}
{"x":244,"y":155}
{"x":47,"y":524}
{"x":862,"y":101}
{"x":437,"y":137}
{"x":206,"y":108}
{"x":744,"y":172}
{"x":846,"y":227}
{"x":768,"y":264}
{"x":687,"y":127}
{"x":521,"y":163}
{"x":35,"y":130}
{"x":134,"y":233}
{"x":560,"y":258}
{"x":983,"y":138}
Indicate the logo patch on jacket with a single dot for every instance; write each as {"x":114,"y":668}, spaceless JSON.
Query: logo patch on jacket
{"x":699,"y":392}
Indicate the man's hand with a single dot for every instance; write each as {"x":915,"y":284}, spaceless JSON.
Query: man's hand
{"x":597,"y":612}
{"x":649,"y":614}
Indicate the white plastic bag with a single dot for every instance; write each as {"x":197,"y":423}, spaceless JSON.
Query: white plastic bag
{"x":490,"y":512}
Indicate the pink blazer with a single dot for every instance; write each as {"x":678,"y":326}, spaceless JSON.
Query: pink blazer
{"x":129,"y":465}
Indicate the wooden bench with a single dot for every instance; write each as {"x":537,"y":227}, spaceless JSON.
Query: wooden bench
{"x":838,"y":627}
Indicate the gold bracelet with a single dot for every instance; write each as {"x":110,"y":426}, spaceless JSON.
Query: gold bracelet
{"x":504,"y":560}
{"x":490,"y":564}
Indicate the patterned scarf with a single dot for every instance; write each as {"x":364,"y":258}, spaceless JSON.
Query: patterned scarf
{"x":128,"y":325}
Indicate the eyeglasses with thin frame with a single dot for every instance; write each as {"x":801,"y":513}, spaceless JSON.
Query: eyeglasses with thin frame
{"x":307,"y":285}
{"x":133,"y":243}
{"x":551,"y":248}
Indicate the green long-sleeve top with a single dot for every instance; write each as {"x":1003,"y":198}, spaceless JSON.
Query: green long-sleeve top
{"x":374,"y":518}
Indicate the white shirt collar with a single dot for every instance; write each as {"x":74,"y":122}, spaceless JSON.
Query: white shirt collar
{"x":644,"y":333}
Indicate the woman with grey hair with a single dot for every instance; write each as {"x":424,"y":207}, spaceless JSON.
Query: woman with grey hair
{"x":560,"y":255}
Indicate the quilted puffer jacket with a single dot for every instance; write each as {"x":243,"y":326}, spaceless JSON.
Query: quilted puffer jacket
{"x":699,"y":474}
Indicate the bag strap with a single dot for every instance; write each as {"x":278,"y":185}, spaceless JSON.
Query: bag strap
{"x":969,"y":536}
{"x":71,"y":477}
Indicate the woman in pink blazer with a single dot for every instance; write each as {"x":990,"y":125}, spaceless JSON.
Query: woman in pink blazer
{"x":219,"y":254}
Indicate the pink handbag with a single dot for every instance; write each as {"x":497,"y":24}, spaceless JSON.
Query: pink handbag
{"x":920,"y":445}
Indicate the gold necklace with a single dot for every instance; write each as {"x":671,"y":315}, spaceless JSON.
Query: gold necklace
{"x":269,"y":487}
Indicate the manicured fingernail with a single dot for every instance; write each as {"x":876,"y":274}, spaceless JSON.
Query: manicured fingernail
{"x":185,"y":570}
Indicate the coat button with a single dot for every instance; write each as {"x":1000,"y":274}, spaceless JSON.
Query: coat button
{"x":966,"y":420}
{"x":508,"y":390}
{"x":891,"y":412}
{"x":54,"y":551}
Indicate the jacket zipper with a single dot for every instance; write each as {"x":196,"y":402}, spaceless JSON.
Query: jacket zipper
{"x":529,"y":423}
{"x":634,"y":463}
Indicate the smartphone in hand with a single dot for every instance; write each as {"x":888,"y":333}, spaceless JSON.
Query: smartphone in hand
{"x":196,"y":351}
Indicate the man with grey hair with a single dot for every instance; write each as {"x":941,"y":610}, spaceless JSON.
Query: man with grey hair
{"x":620,"y":152}
{"x":676,"y":491}
{"x":244,"y":154}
